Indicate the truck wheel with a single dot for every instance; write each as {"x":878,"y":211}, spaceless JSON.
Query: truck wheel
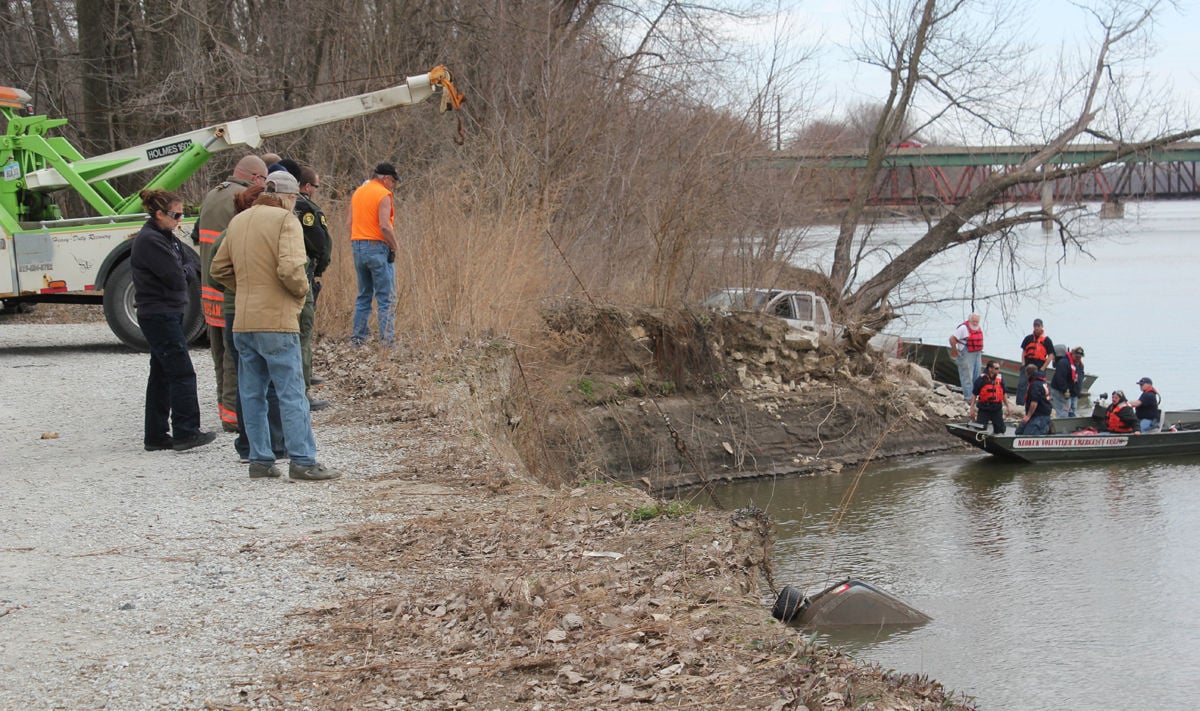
{"x":122,"y":317}
{"x":118,"y":307}
{"x":195,"y":330}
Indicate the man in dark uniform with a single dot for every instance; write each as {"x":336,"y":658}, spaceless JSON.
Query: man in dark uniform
{"x":318,"y":245}
{"x":1148,"y":412}
{"x":1037,"y":404}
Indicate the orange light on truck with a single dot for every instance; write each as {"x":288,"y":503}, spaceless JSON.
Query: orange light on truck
{"x":13,"y":98}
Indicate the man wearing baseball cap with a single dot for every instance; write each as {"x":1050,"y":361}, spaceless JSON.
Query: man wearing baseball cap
{"x":1036,"y":349}
{"x":373,"y":242}
{"x":262,"y":259}
{"x":1146,"y":406}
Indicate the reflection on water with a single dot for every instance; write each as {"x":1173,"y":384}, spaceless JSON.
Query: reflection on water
{"x":1066,"y":586}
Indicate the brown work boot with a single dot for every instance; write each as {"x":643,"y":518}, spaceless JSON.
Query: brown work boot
{"x":311,"y":472}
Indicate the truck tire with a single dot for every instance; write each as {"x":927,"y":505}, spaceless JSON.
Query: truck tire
{"x":194,"y":327}
{"x":118,"y":307}
{"x":122,"y":317}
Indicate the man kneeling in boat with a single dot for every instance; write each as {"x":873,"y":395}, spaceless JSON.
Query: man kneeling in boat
{"x":1037,"y":404}
{"x":989,"y":399}
{"x":1120,"y":418}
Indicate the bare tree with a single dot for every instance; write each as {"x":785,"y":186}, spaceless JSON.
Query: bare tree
{"x":946,"y":61}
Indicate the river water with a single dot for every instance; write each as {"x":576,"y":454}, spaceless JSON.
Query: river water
{"x":1128,"y":302}
{"x":1050,"y":587}
{"x":1065,"y":587}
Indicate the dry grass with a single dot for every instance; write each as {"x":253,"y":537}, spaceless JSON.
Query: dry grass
{"x":460,"y":272}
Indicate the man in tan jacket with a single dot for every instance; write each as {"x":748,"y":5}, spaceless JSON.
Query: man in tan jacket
{"x":262,"y":259}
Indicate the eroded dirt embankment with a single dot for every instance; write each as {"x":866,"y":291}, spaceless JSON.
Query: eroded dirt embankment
{"x":677,"y":400}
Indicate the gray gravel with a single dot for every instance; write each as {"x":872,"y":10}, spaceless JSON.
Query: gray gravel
{"x":145,"y":580}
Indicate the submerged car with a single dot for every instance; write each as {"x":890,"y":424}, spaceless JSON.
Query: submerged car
{"x":802,"y":310}
{"x":847,"y":602}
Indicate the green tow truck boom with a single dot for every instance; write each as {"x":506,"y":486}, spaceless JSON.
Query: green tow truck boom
{"x":45,"y":257}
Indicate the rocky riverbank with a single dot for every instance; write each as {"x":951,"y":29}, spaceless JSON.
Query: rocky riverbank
{"x":443,"y":572}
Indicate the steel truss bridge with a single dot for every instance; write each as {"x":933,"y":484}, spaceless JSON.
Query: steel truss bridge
{"x":947,"y":174}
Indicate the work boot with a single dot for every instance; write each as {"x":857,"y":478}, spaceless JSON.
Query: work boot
{"x":229,"y":427}
{"x":317,"y":405}
{"x":264,"y":471}
{"x":158,"y":445}
{"x":197,"y":440}
{"x":311,"y":472}
{"x":316,"y":380}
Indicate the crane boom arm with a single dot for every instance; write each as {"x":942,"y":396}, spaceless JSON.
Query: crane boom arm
{"x":248,"y":132}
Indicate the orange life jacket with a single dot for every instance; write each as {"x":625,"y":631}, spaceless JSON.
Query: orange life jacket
{"x":993,"y":391}
{"x":1035,"y":351}
{"x":1114,"y":420}
{"x":974,"y":338}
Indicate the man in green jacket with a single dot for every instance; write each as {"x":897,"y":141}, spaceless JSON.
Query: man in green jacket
{"x":216,"y":210}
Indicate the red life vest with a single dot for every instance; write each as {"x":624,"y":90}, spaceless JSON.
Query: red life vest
{"x":1035,"y":351}
{"x":974,"y":338}
{"x":1114,"y":421}
{"x":993,"y":391}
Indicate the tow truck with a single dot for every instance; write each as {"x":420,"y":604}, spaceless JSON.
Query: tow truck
{"x":46,"y":257}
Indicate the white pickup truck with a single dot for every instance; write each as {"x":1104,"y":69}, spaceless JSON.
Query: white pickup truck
{"x":802,"y":310}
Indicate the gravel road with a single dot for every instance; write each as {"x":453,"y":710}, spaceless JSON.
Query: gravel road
{"x":145,"y":580}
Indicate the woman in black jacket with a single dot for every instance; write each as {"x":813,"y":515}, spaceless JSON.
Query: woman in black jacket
{"x":161,"y":274}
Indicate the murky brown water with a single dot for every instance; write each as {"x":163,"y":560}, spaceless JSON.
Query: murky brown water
{"x":1050,"y":587}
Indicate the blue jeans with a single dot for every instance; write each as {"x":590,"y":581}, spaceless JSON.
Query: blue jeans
{"x":1037,"y":425}
{"x":1147,"y":425}
{"x":1061,"y":402}
{"x":241,"y":445}
{"x":377,"y":280}
{"x":171,"y":401}
{"x":970,"y":366}
{"x":1023,"y":384}
{"x":274,"y":359}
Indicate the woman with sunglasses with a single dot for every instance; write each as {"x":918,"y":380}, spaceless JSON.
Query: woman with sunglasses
{"x":162,"y":273}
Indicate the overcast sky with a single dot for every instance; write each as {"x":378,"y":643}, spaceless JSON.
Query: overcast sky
{"x":828,"y":26}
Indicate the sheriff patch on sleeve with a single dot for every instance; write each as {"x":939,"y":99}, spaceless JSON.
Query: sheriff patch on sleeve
{"x":308,"y":219}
